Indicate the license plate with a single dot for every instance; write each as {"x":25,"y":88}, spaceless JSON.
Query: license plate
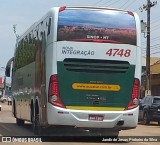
{"x":158,"y":109}
{"x":96,"y":117}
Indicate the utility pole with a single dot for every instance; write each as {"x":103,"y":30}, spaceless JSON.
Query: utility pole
{"x":147,"y":8}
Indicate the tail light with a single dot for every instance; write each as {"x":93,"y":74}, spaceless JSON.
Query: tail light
{"x":130,"y":13}
{"x":135,"y":95}
{"x":53,"y":93}
{"x":62,"y":8}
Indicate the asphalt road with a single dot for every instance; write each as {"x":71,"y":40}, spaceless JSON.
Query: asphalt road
{"x":140,"y":135}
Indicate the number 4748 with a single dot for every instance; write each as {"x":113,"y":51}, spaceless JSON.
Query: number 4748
{"x":119,"y":52}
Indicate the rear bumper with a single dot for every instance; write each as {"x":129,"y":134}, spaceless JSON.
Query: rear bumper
{"x":119,"y":120}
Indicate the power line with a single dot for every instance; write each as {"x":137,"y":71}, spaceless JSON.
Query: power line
{"x":155,"y":27}
{"x":155,"y":19}
{"x":113,"y":3}
{"x":152,"y":46}
{"x":98,"y":2}
{"x":109,"y":1}
{"x":153,"y":39}
{"x":153,"y":49}
{"x":129,"y":4}
{"x":156,"y":52}
{"x":124,"y":4}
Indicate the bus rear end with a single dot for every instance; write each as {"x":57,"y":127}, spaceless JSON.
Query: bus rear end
{"x":98,"y":69}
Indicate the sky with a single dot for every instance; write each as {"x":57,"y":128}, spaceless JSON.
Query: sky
{"x":23,"y":13}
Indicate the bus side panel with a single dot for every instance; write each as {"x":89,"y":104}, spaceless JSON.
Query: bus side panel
{"x":23,"y":88}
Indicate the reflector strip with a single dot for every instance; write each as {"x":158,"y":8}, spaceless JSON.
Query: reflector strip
{"x":95,"y":108}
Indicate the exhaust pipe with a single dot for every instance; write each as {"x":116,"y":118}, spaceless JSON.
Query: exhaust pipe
{"x":120,"y":123}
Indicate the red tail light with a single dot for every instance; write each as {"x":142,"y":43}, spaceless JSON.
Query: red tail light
{"x":135,"y":95}
{"x":53,"y":93}
{"x":62,"y":8}
{"x":130,"y":13}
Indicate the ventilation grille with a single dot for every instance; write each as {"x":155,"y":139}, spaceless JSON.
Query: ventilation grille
{"x":95,"y":65}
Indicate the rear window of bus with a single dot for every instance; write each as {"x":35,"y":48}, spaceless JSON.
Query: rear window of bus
{"x":103,"y":26}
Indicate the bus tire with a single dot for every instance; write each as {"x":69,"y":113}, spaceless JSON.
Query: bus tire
{"x":14,"y":109}
{"x":35,"y":126}
{"x":37,"y":129}
{"x":34,"y":123}
{"x":19,"y":122}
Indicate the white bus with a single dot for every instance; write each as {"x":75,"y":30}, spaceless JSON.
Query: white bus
{"x":79,"y":67}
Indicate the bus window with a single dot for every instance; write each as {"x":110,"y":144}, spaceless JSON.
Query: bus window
{"x":110,"y":27}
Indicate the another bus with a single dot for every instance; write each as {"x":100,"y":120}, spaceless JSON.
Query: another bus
{"x":79,"y":67}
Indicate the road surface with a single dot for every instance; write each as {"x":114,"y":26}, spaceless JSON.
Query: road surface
{"x":9,"y":128}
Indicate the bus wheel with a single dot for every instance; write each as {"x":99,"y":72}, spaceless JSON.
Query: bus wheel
{"x":14,"y":109}
{"x":35,"y":124}
{"x":37,"y":129}
{"x":19,"y":122}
